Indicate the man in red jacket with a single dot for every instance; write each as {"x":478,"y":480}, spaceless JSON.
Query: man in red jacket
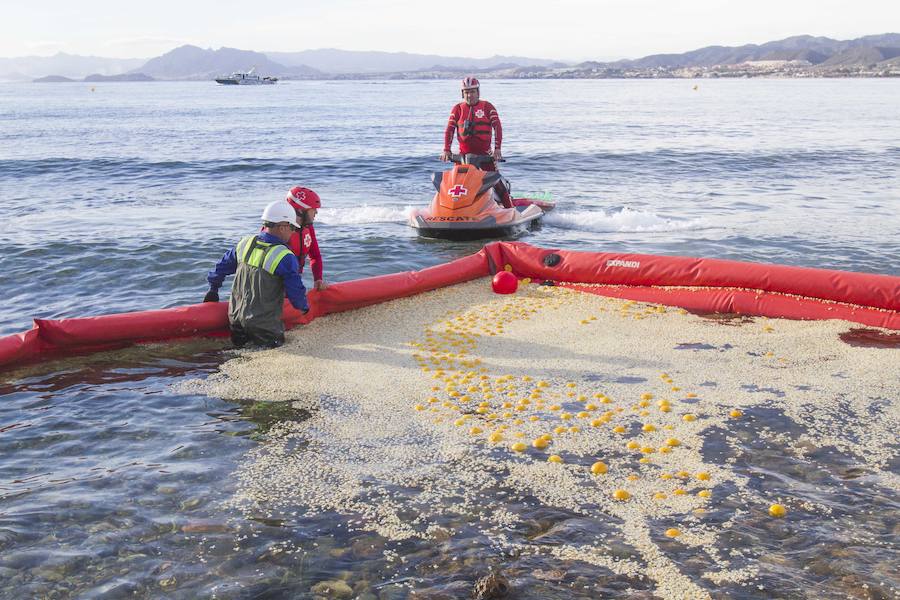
{"x":303,"y":242}
{"x":475,"y":121}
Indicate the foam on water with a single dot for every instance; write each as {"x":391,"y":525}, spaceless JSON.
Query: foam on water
{"x":363,"y":215}
{"x":621,"y":220}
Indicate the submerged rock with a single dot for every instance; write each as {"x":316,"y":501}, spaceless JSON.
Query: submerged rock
{"x":332,"y":589}
{"x":491,"y":587}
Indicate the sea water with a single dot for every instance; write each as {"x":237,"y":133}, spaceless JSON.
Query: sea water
{"x":119,"y":197}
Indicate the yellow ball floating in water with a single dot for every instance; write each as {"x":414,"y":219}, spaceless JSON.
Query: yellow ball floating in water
{"x":648,"y":427}
{"x":704,"y":493}
{"x":419,"y":407}
{"x":673,"y":442}
{"x":735,"y":413}
{"x":689,"y":417}
{"x":475,"y":430}
{"x":679,"y":492}
{"x":659,"y":496}
{"x":777,"y":510}
{"x":646,"y":396}
{"x":672,"y":533}
{"x":632,"y":445}
{"x":619,"y":429}
{"x":555,"y":458}
{"x":596,"y":422}
{"x":496,"y":437}
{"x":518,"y":447}
{"x":599,"y":468}
{"x":703,"y":476}
{"x":540,"y":443}
{"x":621,"y":495}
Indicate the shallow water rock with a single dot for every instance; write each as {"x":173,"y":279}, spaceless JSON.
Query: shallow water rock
{"x":191,"y":503}
{"x":491,"y":587}
{"x":367,"y":547}
{"x":332,"y":589}
{"x":205,"y":527}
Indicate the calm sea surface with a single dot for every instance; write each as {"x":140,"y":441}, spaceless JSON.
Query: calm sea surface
{"x":119,"y":197}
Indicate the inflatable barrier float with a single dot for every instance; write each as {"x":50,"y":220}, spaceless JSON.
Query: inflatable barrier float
{"x":697,"y":284}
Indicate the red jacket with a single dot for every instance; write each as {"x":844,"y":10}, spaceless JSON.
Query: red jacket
{"x":303,"y":243}
{"x":484,"y":119}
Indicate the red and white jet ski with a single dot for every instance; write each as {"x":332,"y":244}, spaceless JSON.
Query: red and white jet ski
{"x":466,"y":206}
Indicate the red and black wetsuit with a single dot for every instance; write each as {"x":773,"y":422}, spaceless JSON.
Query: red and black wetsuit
{"x":474,"y":126}
{"x":476,"y":138}
{"x":303,"y":243}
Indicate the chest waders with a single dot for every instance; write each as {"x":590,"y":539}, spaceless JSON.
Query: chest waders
{"x":257,"y":296}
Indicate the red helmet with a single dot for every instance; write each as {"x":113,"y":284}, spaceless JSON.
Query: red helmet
{"x":302,"y":198}
{"x":470,"y":83}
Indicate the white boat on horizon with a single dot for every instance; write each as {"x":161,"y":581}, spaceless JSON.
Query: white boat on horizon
{"x":248,"y":78}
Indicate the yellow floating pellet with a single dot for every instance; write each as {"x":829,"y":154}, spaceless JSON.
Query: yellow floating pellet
{"x":599,"y":468}
{"x":672,"y":533}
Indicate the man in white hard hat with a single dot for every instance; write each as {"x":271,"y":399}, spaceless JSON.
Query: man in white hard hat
{"x":265,"y":271}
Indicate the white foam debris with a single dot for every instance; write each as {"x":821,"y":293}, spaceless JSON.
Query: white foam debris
{"x":417,"y":404}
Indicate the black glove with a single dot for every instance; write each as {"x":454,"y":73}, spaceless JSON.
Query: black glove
{"x":211,"y":296}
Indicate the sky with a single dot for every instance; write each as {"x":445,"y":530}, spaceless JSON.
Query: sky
{"x":555,"y":29}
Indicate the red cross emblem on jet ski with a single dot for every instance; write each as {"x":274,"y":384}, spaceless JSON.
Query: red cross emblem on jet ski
{"x":457,"y":191}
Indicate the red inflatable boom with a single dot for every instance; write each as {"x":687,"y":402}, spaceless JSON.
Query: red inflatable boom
{"x":701,"y":284}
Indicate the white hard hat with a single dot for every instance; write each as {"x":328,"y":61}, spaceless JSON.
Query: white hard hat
{"x":279,"y":211}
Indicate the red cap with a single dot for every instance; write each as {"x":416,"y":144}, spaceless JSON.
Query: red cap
{"x":302,"y":198}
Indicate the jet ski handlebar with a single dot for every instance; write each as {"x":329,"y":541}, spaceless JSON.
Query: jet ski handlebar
{"x":476,"y":160}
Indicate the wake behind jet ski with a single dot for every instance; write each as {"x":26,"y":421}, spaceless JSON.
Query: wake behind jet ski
{"x":466,"y":205}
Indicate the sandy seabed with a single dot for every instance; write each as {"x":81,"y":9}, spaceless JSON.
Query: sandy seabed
{"x":429,"y":411}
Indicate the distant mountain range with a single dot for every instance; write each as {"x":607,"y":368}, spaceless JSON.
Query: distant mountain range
{"x":343,"y":62}
{"x":815,"y":50}
{"x":194,"y":63}
{"x":72,"y":66}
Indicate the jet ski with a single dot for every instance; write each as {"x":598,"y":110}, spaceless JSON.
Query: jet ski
{"x":467,"y":207}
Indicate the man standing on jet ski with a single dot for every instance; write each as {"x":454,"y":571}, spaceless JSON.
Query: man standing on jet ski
{"x":474,"y":121}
